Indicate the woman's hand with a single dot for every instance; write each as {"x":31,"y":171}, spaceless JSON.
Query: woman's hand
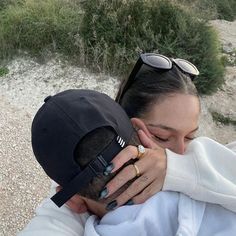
{"x":152,"y":166}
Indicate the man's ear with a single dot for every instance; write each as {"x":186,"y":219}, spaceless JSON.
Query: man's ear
{"x":139,"y":124}
{"x":76,"y":203}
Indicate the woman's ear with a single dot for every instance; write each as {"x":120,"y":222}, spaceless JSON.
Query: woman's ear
{"x":138,"y":124}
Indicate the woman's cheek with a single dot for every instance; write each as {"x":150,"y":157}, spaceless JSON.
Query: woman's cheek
{"x":162,"y":144}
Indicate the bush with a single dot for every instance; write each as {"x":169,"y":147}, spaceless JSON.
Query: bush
{"x":36,"y":26}
{"x":108,"y":34}
{"x":225,"y":120}
{"x":211,"y":9}
{"x":114,"y":31}
{"x":203,"y":9}
{"x":226,"y":9}
{"x":5,"y":3}
{"x":3,"y":71}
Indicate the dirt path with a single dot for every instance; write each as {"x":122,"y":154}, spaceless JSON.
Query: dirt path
{"x":22,"y":182}
{"x":21,"y":177}
{"x":224,"y":101}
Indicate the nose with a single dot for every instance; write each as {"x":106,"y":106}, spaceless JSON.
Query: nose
{"x":180,"y":146}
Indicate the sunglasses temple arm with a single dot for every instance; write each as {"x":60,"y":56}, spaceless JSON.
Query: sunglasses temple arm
{"x":130,"y":80}
{"x":135,"y":70}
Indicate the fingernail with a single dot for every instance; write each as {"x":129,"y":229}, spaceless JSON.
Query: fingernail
{"x":129,"y":203}
{"x":110,"y":206}
{"x":103,"y":193}
{"x":109,"y":169}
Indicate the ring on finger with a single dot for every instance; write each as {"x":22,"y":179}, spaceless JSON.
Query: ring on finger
{"x":137,"y":171}
{"x":141,"y":151}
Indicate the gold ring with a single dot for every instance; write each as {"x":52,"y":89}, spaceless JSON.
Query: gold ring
{"x":136,"y":170}
{"x":141,"y":151}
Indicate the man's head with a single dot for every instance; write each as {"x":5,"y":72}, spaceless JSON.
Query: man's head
{"x":84,"y":154}
{"x":75,"y":134}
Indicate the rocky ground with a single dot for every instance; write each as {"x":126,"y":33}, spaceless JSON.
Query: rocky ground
{"x":22,"y":182}
{"x":224,"y":100}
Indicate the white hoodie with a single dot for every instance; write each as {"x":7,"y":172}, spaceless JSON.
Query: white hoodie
{"x":207,"y":173}
{"x":165,"y":214}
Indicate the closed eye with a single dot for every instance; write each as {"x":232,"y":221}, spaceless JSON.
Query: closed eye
{"x":161,"y":139}
{"x":190,"y":138}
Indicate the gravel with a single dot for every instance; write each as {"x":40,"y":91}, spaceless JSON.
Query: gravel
{"x":23,"y":184}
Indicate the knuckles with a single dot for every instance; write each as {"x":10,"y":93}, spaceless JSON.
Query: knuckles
{"x":132,"y":150}
{"x":147,"y":193}
{"x":127,"y":170}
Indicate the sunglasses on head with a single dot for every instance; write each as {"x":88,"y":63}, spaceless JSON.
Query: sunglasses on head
{"x":160,"y":62}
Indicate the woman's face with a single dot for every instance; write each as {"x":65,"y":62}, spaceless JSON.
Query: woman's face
{"x":173,"y":122}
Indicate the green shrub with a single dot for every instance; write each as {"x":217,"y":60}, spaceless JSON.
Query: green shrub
{"x":108,"y":34}
{"x":210,"y":9}
{"x":226,"y":9}
{"x":203,"y":9}
{"x":217,"y":117}
{"x":113,"y":32}
{"x":5,"y":3}
{"x":3,"y":71}
{"x":38,"y":25}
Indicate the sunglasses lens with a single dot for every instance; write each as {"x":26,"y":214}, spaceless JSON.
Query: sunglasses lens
{"x":156,"y":61}
{"x":186,"y":66}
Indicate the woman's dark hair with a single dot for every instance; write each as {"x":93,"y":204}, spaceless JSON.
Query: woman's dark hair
{"x":152,"y":86}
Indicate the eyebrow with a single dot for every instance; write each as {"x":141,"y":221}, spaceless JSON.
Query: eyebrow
{"x":169,"y":128}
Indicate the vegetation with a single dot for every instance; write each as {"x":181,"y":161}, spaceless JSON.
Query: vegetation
{"x":108,"y":34}
{"x":3,"y":71}
{"x":226,"y":9}
{"x":211,"y":9}
{"x":217,"y":117}
{"x":113,"y":34}
{"x":39,"y":26}
{"x":229,"y":59}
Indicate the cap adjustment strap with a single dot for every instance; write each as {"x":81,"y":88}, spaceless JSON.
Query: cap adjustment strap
{"x":97,"y":166}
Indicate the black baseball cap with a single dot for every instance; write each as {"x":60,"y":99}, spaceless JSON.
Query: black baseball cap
{"x":60,"y":124}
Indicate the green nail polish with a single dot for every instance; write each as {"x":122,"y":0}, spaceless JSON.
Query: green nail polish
{"x":110,"y":206}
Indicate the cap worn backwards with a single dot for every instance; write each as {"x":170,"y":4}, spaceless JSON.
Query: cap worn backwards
{"x":61,"y":123}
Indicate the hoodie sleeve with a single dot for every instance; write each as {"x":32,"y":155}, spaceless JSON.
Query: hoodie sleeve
{"x":50,"y":220}
{"x":206,"y":172}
